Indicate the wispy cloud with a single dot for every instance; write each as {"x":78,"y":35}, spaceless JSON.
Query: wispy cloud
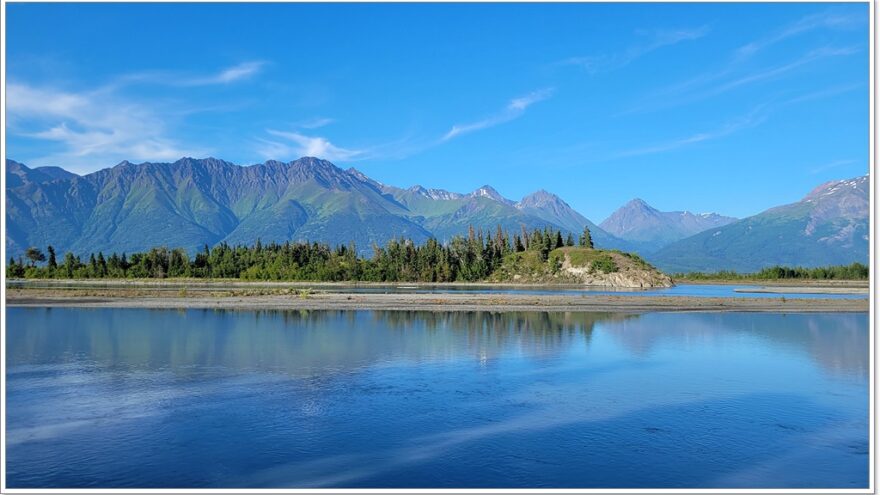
{"x":822,"y":20}
{"x":714,"y":84}
{"x":826,"y":93}
{"x":295,"y":145}
{"x":735,"y":72}
{"x":228,"y":75}
{"x":315,"y":123}
{"x":102,"y":124}
{"x":514,"y":109}
{"x":830,"y":165}
{"x":752,"y":119}
{"x":232,"y":74}
{"x":776,"y":71}
{"x":657,"y":39}
{"x":90,"y":126}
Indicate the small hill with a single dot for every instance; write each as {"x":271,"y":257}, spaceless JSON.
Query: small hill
{"x":577,"y":265}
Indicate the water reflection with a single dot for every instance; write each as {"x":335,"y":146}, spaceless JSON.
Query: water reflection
{"x":835,"y":341}
{"x":201,"y":398}
{"x":290,"y":341}
{"x":305,"y":341}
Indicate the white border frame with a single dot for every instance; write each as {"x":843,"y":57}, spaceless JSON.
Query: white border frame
{"x":872,"y":16}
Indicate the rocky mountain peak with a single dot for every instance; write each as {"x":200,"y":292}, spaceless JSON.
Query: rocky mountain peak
{"x":638,"y":221}
{"x":543,"y":199}
{"x":488,"y":191}
{"x":638,"y":204}
{"x":838,"y":188}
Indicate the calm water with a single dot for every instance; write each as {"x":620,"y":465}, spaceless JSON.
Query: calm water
{"x":689,"y":290}
{"x":202,"y":398}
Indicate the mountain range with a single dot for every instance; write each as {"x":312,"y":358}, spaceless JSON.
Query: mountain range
{"x":193,"y":202}
{"x":829,"y":226}
{"x":652,"y":229}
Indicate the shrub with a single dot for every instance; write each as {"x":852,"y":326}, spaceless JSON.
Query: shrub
{"x":604,"y":264}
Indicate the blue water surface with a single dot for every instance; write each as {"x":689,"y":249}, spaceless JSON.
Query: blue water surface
{"x":687,"y":290}
{"x":266,"y":399}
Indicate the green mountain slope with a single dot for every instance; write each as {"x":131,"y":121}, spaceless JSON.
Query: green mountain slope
{"x":190,"y":203}
{"x":827,"y":227}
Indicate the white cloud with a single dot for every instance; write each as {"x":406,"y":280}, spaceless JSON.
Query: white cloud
{"x":241,"y":71}
{"x":756,"y":117}
{"x":523,"y":102}
{"x":99,"y":127}
{"x":226,"y":76}
{"x":708,"y":85}
{"x":735,"y":71}
{"x":296,"y":145}
{"x":315,"y":123}
{"x":659,"y":39}
{"x":827,"y":92}
{"x":752,"y":119}
{"x":772,"y":72}
{"x":235,"y":73}
{"x":824,"y":20}
{"x":89,"y":127}
{"x":830,"y":165}
{"x":514,"y":109}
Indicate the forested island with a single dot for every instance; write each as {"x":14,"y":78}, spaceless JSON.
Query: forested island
{"x":542,"y":256}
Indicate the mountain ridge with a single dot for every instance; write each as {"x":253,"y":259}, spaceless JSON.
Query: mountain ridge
{"x":828,"y":226}
{"x":192,"y":202}
{"x":651,"y":229}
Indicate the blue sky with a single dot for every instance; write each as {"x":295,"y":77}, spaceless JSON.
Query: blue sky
{"x":730,"y":108}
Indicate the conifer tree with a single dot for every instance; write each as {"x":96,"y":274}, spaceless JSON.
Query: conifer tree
{"x":586,"y":239}
{"x":53,"y":263}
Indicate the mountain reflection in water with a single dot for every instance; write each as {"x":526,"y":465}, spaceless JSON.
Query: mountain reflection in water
{"x":298,"y":341}
{"x":213,"y":398}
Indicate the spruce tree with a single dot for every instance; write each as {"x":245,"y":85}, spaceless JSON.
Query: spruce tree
{"x":586,"y":239}
{"x":53,"y":263}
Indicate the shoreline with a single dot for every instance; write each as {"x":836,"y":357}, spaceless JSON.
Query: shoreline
{"x":780,"y":282}
{"x":803,"y":290}
{"x":238,"y":283}
{"x":260,"y":300}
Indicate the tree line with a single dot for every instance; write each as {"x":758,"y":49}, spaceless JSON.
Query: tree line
{"x":854,"y":271}
{"x":465,"y":259}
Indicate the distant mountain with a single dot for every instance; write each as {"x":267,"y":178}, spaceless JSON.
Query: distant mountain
{"x":18,"y":174}
{"x":828,"y":226}
{"x":191,"y":202}
{"x":639,"y":222}
{"x":54,"y":173}
{"x":447,"y":214}
{"x":552,"y":208}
